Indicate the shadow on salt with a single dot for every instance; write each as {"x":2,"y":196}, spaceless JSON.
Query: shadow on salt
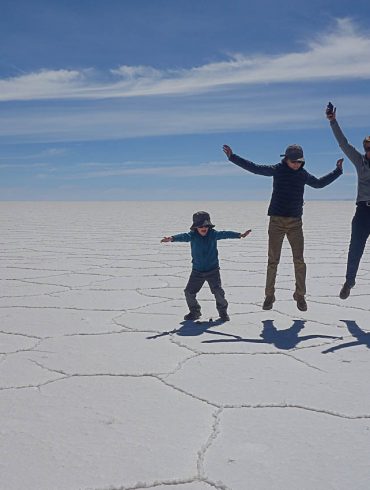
{"x":282,"y":339}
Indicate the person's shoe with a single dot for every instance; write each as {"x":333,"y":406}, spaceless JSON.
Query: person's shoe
{"x":345,"y":291}
{"x":301,"y":302}
{"x":224,"y":316}
{"x":269,"y":301}
{"x":193,"y":315}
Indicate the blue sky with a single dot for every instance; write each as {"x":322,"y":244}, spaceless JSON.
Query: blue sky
{"x":133,"y":99}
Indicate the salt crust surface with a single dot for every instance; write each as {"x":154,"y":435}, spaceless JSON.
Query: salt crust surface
{"x":102,"y":386}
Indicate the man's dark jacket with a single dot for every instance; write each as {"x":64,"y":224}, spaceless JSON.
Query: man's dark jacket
{"x":288,"y":185}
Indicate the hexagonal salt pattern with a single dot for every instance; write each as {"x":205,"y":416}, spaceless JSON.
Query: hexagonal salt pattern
{"x":103,"y":385}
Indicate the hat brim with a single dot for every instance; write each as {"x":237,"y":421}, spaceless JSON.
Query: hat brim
{"x":194,"y":226}
{"x":293,"y":158}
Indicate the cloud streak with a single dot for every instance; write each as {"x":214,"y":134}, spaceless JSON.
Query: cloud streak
{"x":339,"y":54}
{"x":209,"y":169}
{"x":265,"y":110}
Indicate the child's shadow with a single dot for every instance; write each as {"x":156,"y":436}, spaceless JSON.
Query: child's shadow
{"x":282,"y":339}
{"x":193,"y":329}
{"x":363,"y":338}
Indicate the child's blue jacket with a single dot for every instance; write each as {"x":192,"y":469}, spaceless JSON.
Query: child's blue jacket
{"x":204,"y":248}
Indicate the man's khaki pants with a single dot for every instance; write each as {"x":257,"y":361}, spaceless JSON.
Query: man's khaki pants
{"x":280,"y":227}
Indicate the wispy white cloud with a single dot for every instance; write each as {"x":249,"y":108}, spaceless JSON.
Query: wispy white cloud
{"x":274,"y":110}
{"x":47,"y":153}
{"x":209,"y":169}
{"x":221,"y":168}
{"x":340,"y":53}
{"x":19,"y":166}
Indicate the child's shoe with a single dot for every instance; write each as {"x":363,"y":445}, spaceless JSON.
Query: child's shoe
{"x":193,"y":315}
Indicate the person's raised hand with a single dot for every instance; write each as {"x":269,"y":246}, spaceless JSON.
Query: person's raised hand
{"x":340,"y":163}
{"x":166,"y":239}
{"x":227,"y":150}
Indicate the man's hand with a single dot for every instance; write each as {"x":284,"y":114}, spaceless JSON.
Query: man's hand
{"x":331,"y":112}
{"x":166,"y":239}
{"x":246,"y":233}
{"x":227,"y":150}
{"x":340,"y":163}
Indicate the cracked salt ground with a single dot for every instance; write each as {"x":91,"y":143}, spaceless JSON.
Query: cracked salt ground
{"x":18,"y":372}
{"x":53,"y":322}
{"x":66,"y":279}
{"x":290,"y":448}
{"x":10,"y":343}
{"x":108,"y":354}
{"x":104,"y":386}
{"x":279,"y":380}
{"x":99,"y":432}
{"x":17,"y":289}
{"x":83,"y":300}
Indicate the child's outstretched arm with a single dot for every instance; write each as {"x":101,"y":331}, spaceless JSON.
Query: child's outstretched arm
{"x":246,"y":233}
{"x":181,"y":237}
{"x":222,"y":235}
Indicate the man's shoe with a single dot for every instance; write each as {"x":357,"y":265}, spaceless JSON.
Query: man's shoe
{"x":267,"y":304}
{"x":345,"y":291}
{"x":301,"y":302}
{"x":193,"y":315}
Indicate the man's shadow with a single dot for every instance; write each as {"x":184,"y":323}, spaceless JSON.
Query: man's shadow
{"x":282,"y":339}
{"x":363,"y":338}
{"x":193,"y":329}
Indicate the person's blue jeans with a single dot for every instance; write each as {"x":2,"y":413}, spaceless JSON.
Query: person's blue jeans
{"x":360,"y":234}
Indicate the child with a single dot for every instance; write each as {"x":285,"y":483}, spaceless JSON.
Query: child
{"x":285,"y":211}
{"x":203,"y":239}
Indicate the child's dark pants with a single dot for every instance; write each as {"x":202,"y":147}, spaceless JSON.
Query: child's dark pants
{"x":195,"y":283}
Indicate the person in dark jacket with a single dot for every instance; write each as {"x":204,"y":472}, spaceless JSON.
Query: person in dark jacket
{"x":361,"y":220}
{"x":285,"y":211}
{"x":203,"y":240}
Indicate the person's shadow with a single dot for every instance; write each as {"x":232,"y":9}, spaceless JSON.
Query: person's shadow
{"x":363,"y":338}
{"x":193,"y":329}
{"x":282,"y":339}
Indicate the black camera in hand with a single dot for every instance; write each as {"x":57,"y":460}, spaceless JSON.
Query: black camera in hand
{"x":330,"y":109}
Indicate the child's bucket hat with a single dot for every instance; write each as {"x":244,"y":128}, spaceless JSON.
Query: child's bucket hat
{"x":201,"y":218}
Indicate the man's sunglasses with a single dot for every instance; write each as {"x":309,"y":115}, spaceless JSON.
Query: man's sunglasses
{"x":367,"y":148}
